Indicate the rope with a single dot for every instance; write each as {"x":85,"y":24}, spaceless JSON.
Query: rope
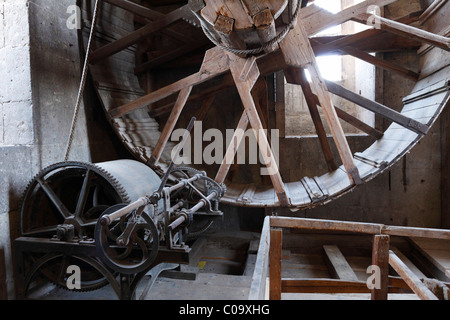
{"x":268,"y":45}
{"x":82,"y":83}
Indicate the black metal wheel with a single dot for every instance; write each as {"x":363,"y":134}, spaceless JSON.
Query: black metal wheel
{"x":140,"y":249}
{"x":73,"y":193}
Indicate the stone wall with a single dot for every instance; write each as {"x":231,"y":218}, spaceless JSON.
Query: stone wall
{"x":40,"y":68}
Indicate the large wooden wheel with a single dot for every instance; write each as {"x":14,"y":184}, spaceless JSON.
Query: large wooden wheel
{"x":234,"y":27}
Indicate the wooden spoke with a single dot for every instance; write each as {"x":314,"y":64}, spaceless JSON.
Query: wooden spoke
{"x":406,"y":31}
{"x":134,"y":37}
{"x":378,"y":108}
{"x":297,"y":76}
{"x":364,"y":127}
{"x":136,"y":9}
{"x":170,"y":125}
{"x":316,"y":19}
{"x":389,"y":66}
{"x":214,"y":64}
{"x":298,"y":53}
{"x":355,"y":39}
{"x":245,"y":73}
{"x":227,"y":83}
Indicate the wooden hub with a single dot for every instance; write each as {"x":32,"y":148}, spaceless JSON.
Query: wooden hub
{"x":243,"y":22}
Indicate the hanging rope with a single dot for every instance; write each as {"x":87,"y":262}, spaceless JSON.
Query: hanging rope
{"x":266,"y":46}
{"x":82,"y":83}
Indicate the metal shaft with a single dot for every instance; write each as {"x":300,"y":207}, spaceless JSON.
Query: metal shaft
{"x":107,"y":219}
{"x":195,"y":208}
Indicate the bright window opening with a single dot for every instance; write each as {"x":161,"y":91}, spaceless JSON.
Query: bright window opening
{"x":345,"y":70}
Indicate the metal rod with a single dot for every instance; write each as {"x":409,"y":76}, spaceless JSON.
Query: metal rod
{"x":195,"y":208}
{"x":183,"y":183}
{"x":107,"y":219}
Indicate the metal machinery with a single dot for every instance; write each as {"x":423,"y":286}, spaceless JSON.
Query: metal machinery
{"x":114,"y":220}
{"x":118,"y":219}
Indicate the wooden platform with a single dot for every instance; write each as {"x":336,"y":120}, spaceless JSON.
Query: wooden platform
{"x":323,"y":259}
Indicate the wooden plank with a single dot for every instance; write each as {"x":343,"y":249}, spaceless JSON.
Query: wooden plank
{"x":237,"y":65}
{"x":214,"y":64}
{"x":417,"y":232}
{"x":410,"y":278}
{"x":276,"y":243}
{"x":378,"y":108}
{"x":329,"y":286}
{"x":258,"y":284}
{"x":298,"y":53}
{"x":408,"y":263}
{"x":338,"y":265}
{"x":170,"y":125}
{"x":327,"y":225}
{"x":380,"y":258}
{"x":436,"y":251}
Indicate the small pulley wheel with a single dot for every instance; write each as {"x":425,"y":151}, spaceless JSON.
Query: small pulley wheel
{"x":138,"y":253}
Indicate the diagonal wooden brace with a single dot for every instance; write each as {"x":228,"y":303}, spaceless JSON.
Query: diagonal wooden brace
{"x":245,"y":72}
{"x":297,"y":52}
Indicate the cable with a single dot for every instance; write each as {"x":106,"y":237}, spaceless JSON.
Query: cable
{"x":82,"y":83}
{"x":276,"y":40}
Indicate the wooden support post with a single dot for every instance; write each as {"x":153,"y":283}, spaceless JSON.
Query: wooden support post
{"x":410,"y":278}
{"x":276,"y":247}
{"x":280,"y":103}
{"x":170,"y":125}
{"x":240,"y":69}
{"x":380,"y":258}
{"x":297,"y":76}
{"x":259,"y":279}
{"x":298,"y":53}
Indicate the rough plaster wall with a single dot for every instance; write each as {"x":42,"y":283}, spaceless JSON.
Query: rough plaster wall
{"x":16,"y":124}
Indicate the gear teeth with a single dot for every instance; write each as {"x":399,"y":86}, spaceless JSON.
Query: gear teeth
{"x":123,"y":195}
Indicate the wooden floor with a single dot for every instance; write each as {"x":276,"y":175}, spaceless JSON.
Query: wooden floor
{"x":222,"y":265}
